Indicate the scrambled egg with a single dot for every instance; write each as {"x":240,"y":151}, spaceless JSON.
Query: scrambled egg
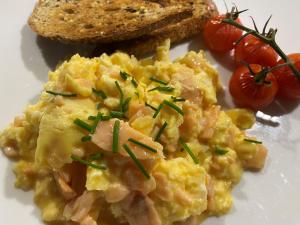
{"x":65,"y":143}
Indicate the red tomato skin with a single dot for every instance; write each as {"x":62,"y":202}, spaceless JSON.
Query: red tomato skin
{"x":253,"y":51}
{"x":289,"y":85}
{"x":247,"y":93}
{"x":220,"y":37}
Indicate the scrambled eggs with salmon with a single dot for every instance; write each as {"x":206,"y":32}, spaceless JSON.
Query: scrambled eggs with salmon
{"x":116,"y":140}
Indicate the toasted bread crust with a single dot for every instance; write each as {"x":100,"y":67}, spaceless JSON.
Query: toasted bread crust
{"x":103,"y":21}
{"x":177,"y":32}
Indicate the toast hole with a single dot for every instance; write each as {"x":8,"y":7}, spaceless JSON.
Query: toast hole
{"x":131,"y":10}
{"x":88,"y":26}
{"x":69,"y":11}
{"x":111,"y":9}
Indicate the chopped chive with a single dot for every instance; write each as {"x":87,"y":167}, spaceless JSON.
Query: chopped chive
{"x":134,"y":82}
{"x":96,"y":156}
{"x":126,"y":104}
{"x":162,"y":89}
{"x":121,"y":94}
{"x":189,"y":151}
{"x":177,"y":99}
{"x":158,"y":81}
{"x":252,"y":141}
{"x":116,"y":130}
{"x":220,"y":151}
{"x":105,"y":118}
{"x":96,"y":121}
{"x":136,"y":161}
{"x":83,"y":125}
{"x":124,"y":75}
{"x":160,"y":132}
{"x":173,"y":106}
{"x":152,"y":107}
{"x":98,"y":106}
{"x":142,"y":145}
{"x":86,"y":138}
{"x":158,"y":110}
{"x":116,"y":114}
{"x":87,"y":163}
{"x":91,"y":117}
{"x":62,"y":94}
{"x":99,"y":93}
{"x":102,"y":117}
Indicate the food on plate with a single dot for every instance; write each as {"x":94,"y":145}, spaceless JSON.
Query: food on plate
{"x":116,"y":140}
{"x":221,"y":37}
{"x":254,"y":84}
{"x":252,"y":50}
{"x":289,"y":84}
{"x":136,"y":27}
{"x":249,"y":90}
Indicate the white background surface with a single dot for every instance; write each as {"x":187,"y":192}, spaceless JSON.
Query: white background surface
{"x":271,"y":197}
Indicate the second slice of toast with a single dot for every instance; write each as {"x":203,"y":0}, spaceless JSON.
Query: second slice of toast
{"x":176,"y":32}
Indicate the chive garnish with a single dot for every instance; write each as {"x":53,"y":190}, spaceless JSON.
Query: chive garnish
{"x":124,"y":75}
{"x":152,"y":107}
{"x":120,"y":92}
{"x":92,"y":118}
{"x":158,"y":81}
{"x":134,"y":82}
{"x":83,"y":125}
{"x":252,"y":141}
{"x":116,"y":114}
{"x":177,"y":99}
{"x":220,"y":151}
{"x":96,"y":156}
{"x":136,"y":161}
{"x":105,"y":118}
{"x":158,"y":110}
{"x":173,"y":106}
{"x":160,"y":132}
{"x":96,"y":121}
{"x":99,"y":93}
{"x":98,"y":106}
{"x":62,"y":94}
{"x":142,"y":145}
{"x":162,"y":89}
{"x":87,"y":163}
{"x":189,"y":151}
{"x":86,"y":138}
{"x":126,"y":104}
{"x":116,"y":130}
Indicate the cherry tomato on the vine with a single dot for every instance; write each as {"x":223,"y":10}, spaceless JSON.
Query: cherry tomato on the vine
{"x":246,"y":92}
{"x":289,"y":85}
{"x":254,"y":51}
{"x":220,"y":37}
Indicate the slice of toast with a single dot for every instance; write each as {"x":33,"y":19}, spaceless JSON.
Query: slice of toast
{"x":104,"y":20}
{"x":176,"y":32}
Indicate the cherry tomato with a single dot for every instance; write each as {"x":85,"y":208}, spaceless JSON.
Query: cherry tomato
{"x":246,"y":92}
{"x":289,"y":85}
{"x":254,"y":51}
{"x":220,"y":37}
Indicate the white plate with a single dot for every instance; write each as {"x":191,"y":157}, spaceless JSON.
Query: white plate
{"x":268,"y":198}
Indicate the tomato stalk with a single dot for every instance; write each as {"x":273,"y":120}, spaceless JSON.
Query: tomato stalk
{"x":268,"y":38}
{"x":260,"y":77}
{"x":234,"y":14}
